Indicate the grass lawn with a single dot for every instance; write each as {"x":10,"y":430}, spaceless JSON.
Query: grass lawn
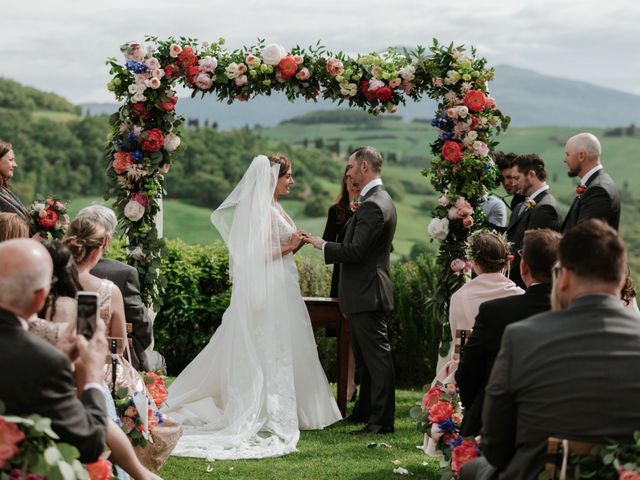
{"x":327,"y":454}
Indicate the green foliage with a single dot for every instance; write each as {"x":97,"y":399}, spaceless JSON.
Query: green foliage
{"x":16,"y":96}
{"x":196,"y":296}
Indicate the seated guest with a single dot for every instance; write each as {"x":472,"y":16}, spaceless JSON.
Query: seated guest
{"x":489,"y":257}
{"x":556,"y":371}
{"x":539,"y":210}
{"x":12,"y":226}
{"x":539,"y":254}
{"x":126,"y":279}
{"x":35,"y":377}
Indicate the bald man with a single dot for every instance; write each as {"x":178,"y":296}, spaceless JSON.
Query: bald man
{"x":36,"y":377}
{"x":596,"y":196}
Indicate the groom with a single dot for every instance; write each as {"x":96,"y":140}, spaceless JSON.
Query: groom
{"x":366,"y":291}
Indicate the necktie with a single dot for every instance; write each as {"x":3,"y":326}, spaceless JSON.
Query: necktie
{"x":520,"y":208}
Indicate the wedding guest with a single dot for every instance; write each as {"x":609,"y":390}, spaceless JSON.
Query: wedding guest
{"x":555,"y":370}
{"x":127,"y":280}
{"x":35,"y":377}
{"x":9,"y":202}
{"x":12,"y":226}
{"x":596,"y":195}
{"x":489,"y":258}
{"x":505,"y":162}
{"x":539,"y":210}
{"x":539,"y":253}
{"x":496,"y":211}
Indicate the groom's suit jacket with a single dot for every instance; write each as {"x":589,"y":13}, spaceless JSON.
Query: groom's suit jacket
{"x":545,"y":214}
{"x":483,"y":345}
{"x":600,"y":200}
{"x":571,"y":373}
{"x":35,"y":377}
{"x":365,"y":277}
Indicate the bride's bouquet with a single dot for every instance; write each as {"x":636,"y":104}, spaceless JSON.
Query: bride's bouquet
{"x":49,"y":217}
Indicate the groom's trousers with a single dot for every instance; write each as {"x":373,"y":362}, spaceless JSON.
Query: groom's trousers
{"x":370,"y":342}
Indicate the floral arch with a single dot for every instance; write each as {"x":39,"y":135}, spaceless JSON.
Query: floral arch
{"x":145,"y":132}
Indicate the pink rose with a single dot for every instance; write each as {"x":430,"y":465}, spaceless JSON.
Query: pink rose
{"x":121,"y":161}
{"x":464,"y":208}
{"x":440,"y":412}
{"x":467,"y":222}
{"x":628,"y":475}
{"x":153,"y":140}
{"x":127,"y":424}
{"x":432,"y":396}
{"x":457,"y":265}
{"x":406,"y":86}
{"x":252,"y":61}
{"x":451,"y":152}
{"x":241,"y":80}
{"x":10,"y":437}
{"x":152,"y":63}
{"x":480,"y":148}
{"x":335,"y":66}
{"x":203,"y":81}
{"x":141,"y":198}
{"x":303,"y":74}
{"x":461,"y":454}
{"x":490,"y":104}
{"x":456,"y":418}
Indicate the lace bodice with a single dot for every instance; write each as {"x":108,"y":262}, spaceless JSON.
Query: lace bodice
{"x":282,"y":224}
{"x":104,"y":295}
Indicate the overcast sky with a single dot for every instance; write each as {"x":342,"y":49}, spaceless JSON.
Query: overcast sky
{"x":61,"y":46}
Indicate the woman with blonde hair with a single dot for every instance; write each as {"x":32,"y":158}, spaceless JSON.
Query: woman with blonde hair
{"x":12,"y":225}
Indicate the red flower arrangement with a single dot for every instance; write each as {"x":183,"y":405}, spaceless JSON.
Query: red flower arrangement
{"x":100,"y":470}
{"x":10,"y":437}
{"x":153,"y":140}
{"x":462,"y":453}
{"x":156,"y":386}
{"x":49,"y":217}
{"x":475,"y":100}
{"x":384,"y":94}
{"x":187,"y":58}
{"x":451,"y":152}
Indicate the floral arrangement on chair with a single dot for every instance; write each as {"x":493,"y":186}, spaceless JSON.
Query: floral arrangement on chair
{"x":156,"y":386}
{"x":49,"y":217}
{"x":439,"y":417}
{"x":131,"y":421}
{"x":29,"y":450}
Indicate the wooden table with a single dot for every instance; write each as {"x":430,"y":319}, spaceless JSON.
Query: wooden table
{"x":325,"y":313}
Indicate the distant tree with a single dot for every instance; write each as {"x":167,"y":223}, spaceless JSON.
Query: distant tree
{"x":631,"y":130}
{"x":319,"y":143}
{"x":305,"y":142}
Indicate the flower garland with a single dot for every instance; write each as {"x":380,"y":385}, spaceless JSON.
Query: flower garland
{"x":145,"y":132}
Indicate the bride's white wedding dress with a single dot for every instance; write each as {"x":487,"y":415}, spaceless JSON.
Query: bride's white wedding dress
{"x":259,"y":380}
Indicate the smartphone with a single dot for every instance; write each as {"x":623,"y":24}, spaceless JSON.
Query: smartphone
{"x":87,"y":313}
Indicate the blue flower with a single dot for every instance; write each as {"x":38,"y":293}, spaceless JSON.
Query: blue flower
{"x":136,"y":67}
{"x":444,"y":135}
{"x":133,"y":140}
{"x":136,"y":155}
{"x":447,"y":426}
{"x":119,"y":144}
{"x":456,"y":441}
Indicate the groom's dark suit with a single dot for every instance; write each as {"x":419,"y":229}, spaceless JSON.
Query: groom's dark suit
{"x":545,"y":214}
{"x":600,"y":200}
{"x":482,"y":348}
{"x":366,"y":297}
{"x":35,"y":377}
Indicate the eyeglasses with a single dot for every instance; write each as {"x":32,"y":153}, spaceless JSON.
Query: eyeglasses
{"x":557,"y":267}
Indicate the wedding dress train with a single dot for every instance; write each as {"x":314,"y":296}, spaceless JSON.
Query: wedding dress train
{"x":259,"y":380}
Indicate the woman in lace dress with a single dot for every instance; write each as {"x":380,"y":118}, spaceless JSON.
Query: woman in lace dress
{"x":259,"y":380}
{"x":86,"y":240}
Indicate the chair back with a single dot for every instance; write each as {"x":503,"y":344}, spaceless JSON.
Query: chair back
{"x":461,"y":338}
{"x":558,"y":451}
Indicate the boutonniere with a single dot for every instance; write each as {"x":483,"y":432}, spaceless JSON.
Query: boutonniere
{"x":580,"y":189}
{"x":529,"y":204}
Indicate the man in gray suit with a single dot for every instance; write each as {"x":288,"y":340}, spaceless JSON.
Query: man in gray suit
{"x":556,"y":371}
{"x":126,"y":279}
{"x":366,"y":291}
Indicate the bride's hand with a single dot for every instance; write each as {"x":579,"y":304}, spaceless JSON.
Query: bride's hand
{"x":297,"y":239}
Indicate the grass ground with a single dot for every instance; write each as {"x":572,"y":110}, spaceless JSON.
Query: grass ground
{"x":328,"y":454}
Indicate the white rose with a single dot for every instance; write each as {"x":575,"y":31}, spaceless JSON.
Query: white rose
{"x":273,"y":53}
{"x":231,"y":71}
{"x":208,"y":64}
{"x":133,"y":89}
{"x":408,"y":72}
{"x":395,"y":83}
{"x":152,"y":63}
{"x":241,"y":80}
{"x":138,"y":97}
{"x":439,"y":228}
{"x":158,"y":73}
{"x":463,"y":111}
{"x":171,"y":142}
{"x":443,"y":201}
{"x":137,"y":254}
{"x":133,"y":211}
{"x":375,"y":84}
{"x":39,"y":206}
{"x":175,"y":50}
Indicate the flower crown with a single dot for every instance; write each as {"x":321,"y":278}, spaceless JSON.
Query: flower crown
{"x":473,"y":254}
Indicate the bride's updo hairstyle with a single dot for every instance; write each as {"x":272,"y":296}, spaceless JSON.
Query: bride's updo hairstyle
{"x":488,"y":250}
{"x":284,"y":162}
{"x":83,"y":237}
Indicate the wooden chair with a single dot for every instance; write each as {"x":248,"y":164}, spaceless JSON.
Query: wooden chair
{"x":129,"y":334}
{"x":460,"y":340}
{"x":558,"y":451}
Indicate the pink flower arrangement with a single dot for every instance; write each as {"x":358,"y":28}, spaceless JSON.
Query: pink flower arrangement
{"x":462,"y":453}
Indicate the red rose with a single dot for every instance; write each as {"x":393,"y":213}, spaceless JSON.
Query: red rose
{"x":153,"y":140}
{"x":192,"y":73}
{"x":139,"y":109}
{"x":364,"y":89}
{"x":121,"y":161}
{"x":451,"y":151}
{"x":461,"y":454}
{"x":50,"y":219}
{"x":475,"y":100}
{"x":384,"y":94}
{"x":187,"y":58}
{"x":169,"y":104}
{"x":432,"y":396}
{"x":288,"y":66}
{"x":440,"y":412}
{"x":474,"y":122}
{"x":10,"y":437}
{"x":580,"y":189}
{"x":100,"y":470}
{"x":169,"y":70}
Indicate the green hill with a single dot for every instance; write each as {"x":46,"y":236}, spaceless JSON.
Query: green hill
{"x":14,"y":95}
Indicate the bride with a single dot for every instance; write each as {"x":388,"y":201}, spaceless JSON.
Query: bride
{"x":259,"y":380}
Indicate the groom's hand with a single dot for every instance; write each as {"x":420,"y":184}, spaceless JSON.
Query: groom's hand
{"x":315,"y":241}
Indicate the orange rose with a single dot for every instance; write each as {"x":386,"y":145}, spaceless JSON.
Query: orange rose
{"x":187,"y":58}
{"x":10,"y":437}
{"x":288,"y":66}
{"x":440,"y":412}
{"x":475,"y":100}
{"x":461,"y":454}
{"x":432,"y":396}
{"x":451,"y":152}
{"x":121,"y":161}
{"x":100,"y":470}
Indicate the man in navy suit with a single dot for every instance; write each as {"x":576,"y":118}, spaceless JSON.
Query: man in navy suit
{"x":596,"y":195}
{"x":539,"y":210}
